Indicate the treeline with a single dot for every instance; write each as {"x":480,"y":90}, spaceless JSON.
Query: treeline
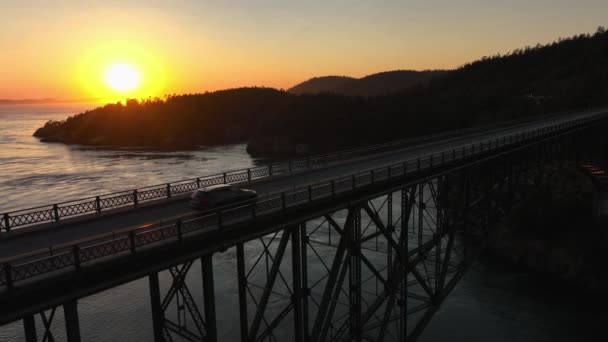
{"x":382,"y":83}
{"x":570,"y":73}
{"x":178,"y":121}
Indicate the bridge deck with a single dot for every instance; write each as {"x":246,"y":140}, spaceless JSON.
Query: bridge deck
{"x":57,"y":234}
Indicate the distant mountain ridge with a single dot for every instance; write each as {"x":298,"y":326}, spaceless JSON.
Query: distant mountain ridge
{"x":323,"y":84}
{"x":382,"y":83}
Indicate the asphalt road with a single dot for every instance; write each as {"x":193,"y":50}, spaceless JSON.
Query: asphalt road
{"x":47,"y":235}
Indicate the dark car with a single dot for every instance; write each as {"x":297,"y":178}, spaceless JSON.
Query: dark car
{"x":220,"y":195}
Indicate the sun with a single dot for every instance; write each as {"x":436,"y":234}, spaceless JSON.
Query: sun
{"x":122,"y":77}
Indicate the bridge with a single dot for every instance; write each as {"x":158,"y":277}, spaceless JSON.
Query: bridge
{"x":359,"y":245}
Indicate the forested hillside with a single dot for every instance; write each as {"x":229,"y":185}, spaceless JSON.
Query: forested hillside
{"x":570,"y":73}
{"x":382,"y":83}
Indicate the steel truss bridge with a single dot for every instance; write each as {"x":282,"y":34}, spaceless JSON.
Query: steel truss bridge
{"x":370,"y":255}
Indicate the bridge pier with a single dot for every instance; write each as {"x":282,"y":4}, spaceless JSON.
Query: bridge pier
{"x":209,"y":298}
{"x":242,"y":282}
{"x":296,"y":269}
{"x":158,"y":316}
{"x":72,"y":325}
{"x":29,"y":327}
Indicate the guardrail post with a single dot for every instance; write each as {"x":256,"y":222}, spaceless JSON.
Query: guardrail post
{"x":270,"y":170}
{"x":168,"y":190}
{"x":8,"y":275}
{"x":132,"y":241}
{"x":135,"y":200}
{"x":198,"y":183}
{"x":76,"y":254}
{"x":7,"y":225}
{"x":56,"y":212}
{"x":249,"y":175}
{"x":224,"y":177}
{"x":98,"y":204}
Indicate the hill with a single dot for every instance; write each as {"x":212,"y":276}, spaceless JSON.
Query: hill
{"x":387,"y":82}
{"x":382,"y":83}
{"x":570,"y":73}
{"x":325,"y":84}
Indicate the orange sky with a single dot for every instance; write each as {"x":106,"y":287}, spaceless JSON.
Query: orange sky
{"x":62,"y":51}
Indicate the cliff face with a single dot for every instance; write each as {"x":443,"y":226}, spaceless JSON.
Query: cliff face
{"x":553,"y":232}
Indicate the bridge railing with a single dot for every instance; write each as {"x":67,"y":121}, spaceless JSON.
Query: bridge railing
{"x":54,"y":213}
{"x":73,"y":256}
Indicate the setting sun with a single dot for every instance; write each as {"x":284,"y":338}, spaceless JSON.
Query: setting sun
{"x":122,"y":77}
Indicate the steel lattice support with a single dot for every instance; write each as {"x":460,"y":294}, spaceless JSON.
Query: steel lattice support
{"x":375,"y":266}
{"x":72,"y":324}
{"x":188,"y":311}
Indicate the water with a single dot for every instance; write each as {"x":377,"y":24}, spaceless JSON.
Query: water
{"x":489,"y":304}
{"x":34,"y":173}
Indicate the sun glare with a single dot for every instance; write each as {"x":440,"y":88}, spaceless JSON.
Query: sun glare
{"x":122,"y":77}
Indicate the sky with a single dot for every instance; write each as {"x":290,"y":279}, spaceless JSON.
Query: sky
{"x":65,"y":49}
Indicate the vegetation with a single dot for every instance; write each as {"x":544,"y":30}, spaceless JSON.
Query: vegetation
{"x":178,"y":121}
{"x":382,"y":83}
{"x":553,"y":232}
{"x":325,"y":84}
{"x":570,"y":73}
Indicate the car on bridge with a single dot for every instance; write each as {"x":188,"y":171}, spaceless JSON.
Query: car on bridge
{"x":221,"y":195}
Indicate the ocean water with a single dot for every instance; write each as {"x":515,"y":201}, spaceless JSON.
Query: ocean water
{"x":34,"y":173}
{"x":490,"y":303}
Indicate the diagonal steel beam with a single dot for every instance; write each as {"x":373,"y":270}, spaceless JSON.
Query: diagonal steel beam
{"x":338,"y":261}
{"x":189,"y":302}
{"x":181,"y":331}
{"x":333,"y":223}
{"x":334,"y":298}
{"x":179,"y":275}
{"x":398,"y":276}
{"x":255,"y":325}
